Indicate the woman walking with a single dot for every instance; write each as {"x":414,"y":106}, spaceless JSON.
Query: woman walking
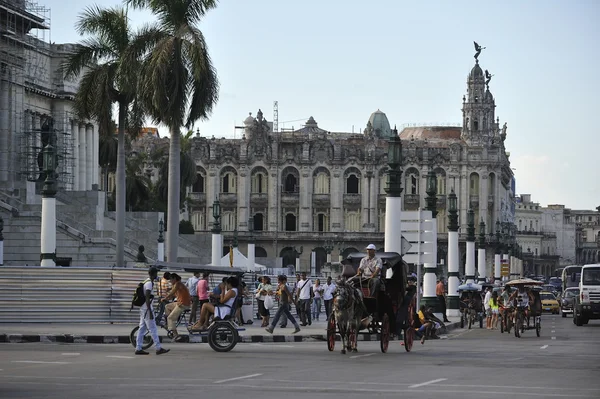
{"x":318,"y":290}
{"x":284,"y":306}
{"x":264,"y":289}
{"x":495,"y":310}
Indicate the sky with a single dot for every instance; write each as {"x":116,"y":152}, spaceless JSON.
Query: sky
{"x":340,"y":60}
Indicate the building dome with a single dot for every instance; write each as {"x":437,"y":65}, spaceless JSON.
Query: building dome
{"x":488,"y":96}
{"x":476,"y":72}
{"x":380,"y":124}
{"x":249,"y":120}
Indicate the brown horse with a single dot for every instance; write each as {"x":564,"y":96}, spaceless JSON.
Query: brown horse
{"x":348,"y":310}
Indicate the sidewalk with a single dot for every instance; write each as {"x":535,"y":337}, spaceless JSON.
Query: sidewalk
{"x":119,"y":333}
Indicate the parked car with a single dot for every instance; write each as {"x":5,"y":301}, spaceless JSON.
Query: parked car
{"x":567,"y":300}
{"x":549,"y":302}
{"x":551,"y":288}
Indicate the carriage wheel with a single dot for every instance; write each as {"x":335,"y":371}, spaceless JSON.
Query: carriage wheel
{"x":384,"y":336}
{"x":331,"y":332}
{"x":409,"y":331}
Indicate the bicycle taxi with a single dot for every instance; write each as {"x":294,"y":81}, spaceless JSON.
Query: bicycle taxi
{"x":521,"y":321}
{"x":389,"y":313}
{"x":471,"y":304}
{"x":222,"y":335}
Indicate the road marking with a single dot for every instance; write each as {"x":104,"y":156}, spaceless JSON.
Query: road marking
{"x":427,"y":383}
{"x":553,"y":331}
{"x":543,"y":347}
{"x":274,"y":344}
{"x":553,"y":337}
{"x":365,"y":355}
{"x":121,"y":357}
{"x":70,"y":354}
{"x":244,"y":377}
{"x":38,"y":362}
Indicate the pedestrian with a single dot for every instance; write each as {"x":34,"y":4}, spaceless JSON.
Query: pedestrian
{"x":488,"y":308}
{"x":164,"y":287}
{"x":328,"y":296}
{"x":495,"y":306}
{"x":262,"y":291}
{"x":440,"y":292}
{"x":318,"y":290}
{"x":284,"y":306}
{"x":192,"y":286}
{"x":174,"y":309}
{"x":202,"y":290}
{"x":304,"y":294}
{"x":147,"y":322}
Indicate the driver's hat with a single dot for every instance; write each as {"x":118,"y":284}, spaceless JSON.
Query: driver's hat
{"x":371,"y":246}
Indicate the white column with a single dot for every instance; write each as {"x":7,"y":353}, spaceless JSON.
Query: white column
{"x":470,"y":265}
{"x":89,"y":156}
{"x":497,"y":268}
{"x":96,"y":158}
{"x":251,"y":256}
{"x":429,"y":268}
{"x":305,"y":196}
{"x":481,"y":265}
{"x":160,"y":252}
{"x":75,"y":133}
{"x":1,"y":252}
{"x":82,"y":156}
{"x":328,"y":257}
{"x":505,"y":260}
{"x":48,"y":235}
{"x":217,"y":249}
{"x":36,"y":144}
{"x":453,"y":281}
{"x":393,"y":231}
{"x":298,"y":264}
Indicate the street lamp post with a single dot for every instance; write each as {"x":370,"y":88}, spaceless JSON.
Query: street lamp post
{"x":470,"y":264}
{"x":453,"y":281}
{"x":1,"y":241}
{"x":393,"y":201}
{"x":430,"y":268}
{"x":217,"y":238}
{"x":328,"y":247}
{"x":251,"y":245}
{"x":161,"y":241}
{"x":48,"y":235}
{"x":498,"y":254}
{"x":481,"y":266}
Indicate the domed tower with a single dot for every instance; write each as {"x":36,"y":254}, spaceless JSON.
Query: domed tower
{"x":380,"y":125}
{"x":478,"y":107}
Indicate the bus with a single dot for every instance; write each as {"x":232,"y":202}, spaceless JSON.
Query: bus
{"x":571,"y":276}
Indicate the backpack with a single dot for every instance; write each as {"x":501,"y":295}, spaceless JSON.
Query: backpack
{"x":139,"y":296}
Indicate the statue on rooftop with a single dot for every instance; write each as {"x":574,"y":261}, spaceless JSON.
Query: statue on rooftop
{"x":478,"y":49}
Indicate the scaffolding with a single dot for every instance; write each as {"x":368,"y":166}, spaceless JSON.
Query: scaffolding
{"x":30,"y":109}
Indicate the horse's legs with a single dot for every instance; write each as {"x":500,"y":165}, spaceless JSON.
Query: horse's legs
{"x":344,"y":335}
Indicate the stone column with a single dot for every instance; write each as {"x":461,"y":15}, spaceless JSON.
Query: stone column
{"x":464,"y":200}
{"x":89,"y":156}
{"x":506,"y":260}
{"x":48,"y":242}
{"x":75,"y":133}
{"x":1,"y":242}
{"x":82,"y":157}
{"x":497,"y":267}
{"x":305,"y":203}
{"x":481,"y":267}
{"x":251,"y":256}
{"x":217,"y":248}
{"x":483,"y":197}
{"x":243,"y":196}
{"x":4,"y":128}
{"x":337,"y":195}
{"x":96,"y":157}
{"x":36,"y":145}
{"x":274,"y":200}
{"x":453,"y":259}
{"x":430,"y":267}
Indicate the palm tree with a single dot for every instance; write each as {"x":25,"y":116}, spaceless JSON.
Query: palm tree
{"x":179,"y":84}
{"x":110,"y":75}
{"x":187,"y":170}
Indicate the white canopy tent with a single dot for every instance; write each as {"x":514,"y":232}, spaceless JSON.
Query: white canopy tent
{"x":241,"y":262}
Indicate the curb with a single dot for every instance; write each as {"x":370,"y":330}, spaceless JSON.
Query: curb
{"x":124,"y":339}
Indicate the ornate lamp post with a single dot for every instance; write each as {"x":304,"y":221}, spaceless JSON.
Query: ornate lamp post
{"x":48,"y":236}
{"x":217,"y":238}
{"x":470,"y":265}
{"x":328,"y":247}
{"x":1,"y":242}
{"x":481,"y":255}
{"x":430,"y":268}
{"x":161,"y":241}
{"x":453,"y":282}
{"x":340,"y":246}
{"x":498,"y":253}
{"x":251,"y":245}
{"x":393,"y":201}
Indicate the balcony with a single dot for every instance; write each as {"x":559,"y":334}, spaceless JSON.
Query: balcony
{"x":259,"y":200}
{"x":352,"y":199}
{"x":321,"y":200}
{"x":228,"y":199}
{"x":290,"y":199}
{"x":412,"y":202}
{"x":197,"y":198}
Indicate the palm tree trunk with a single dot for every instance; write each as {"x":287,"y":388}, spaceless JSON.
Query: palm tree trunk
{"x":173,"y":197}
{"x":120,"y":189}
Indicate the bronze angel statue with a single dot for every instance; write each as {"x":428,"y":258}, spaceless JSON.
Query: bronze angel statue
{"x":478,"y":49}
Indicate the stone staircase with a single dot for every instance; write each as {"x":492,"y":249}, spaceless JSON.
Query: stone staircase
{"x":85,"y":232}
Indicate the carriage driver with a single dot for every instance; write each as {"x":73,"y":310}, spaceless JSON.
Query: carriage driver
{"x":370,"y":268}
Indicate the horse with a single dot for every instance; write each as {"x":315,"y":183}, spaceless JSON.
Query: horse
{"x":348,"y":309}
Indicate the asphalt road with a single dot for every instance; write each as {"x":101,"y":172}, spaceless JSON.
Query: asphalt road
{"x":563,"y":363}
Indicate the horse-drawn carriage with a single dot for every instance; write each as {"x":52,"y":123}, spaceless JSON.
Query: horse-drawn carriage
{"x":388,"y":313}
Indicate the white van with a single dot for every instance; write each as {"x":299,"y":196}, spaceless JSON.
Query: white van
{"x":587,"y":305}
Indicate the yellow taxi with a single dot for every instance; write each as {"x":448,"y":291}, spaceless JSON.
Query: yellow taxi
{"x":549,"y":302}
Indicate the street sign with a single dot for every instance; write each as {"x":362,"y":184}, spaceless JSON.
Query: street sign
{"x":505,"y":269}
{"x":406,"y":246}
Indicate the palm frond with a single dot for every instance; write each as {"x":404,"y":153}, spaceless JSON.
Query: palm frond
{"x":110,"y":24}
{"x":86,"y":54}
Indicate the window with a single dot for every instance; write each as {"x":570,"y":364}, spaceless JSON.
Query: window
{"x":198,"y":221}
{"x":290,"y":222}
{"x":228,"y":183}
{"x":474,"y":184}
{"x":259,"y":183}
{"x":291,"y":184}
{"x":352,"y":221}
{"x":412,"y":182}
{"x":228,"y":221}
{"x":591,"y":276}
{"x":441,"y":184}
{"x":198,"y":186}
{"x":520,"y":225}
{"x":475,"y":121}
{"x":414,"y":185}
{"x":322,"y":222}
{"x":352,"y":185}
{"x":259,"y":222}
{"x":321,"y":183}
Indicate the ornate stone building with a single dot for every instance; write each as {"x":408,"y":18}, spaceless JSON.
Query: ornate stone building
{"x":320,"y":190}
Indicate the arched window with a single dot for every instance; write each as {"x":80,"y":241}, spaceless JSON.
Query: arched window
{"x":352,"y":222}
{"x":228,"y":221}
{"x":411,"y":181}
{"x":290,"y":222}
{"x":260,"y":252}
{"x":198,"y":186}
{"x":492,"y":184}
{"x":259,"y":222}
{"x":258,"y":184}
{"x":475,"y":123}
{"x":321,"y":183}
{"x":474,"y":184}
{"x":321,"y":222}
{"x":291,"y":184}
{"x":352,"y":184}
{"x":228,"y":183}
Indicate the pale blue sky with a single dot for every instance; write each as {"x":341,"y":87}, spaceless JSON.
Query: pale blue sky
{"x":340,"y":60}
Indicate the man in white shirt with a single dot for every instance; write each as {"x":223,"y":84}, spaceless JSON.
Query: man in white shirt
{"x":192,"y":286}
{"x":147,"y":322}
{"x":328,"y":296}
{"x":304,"y":295}
{"x":488,"y":308}
{"x":370,"y":269}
